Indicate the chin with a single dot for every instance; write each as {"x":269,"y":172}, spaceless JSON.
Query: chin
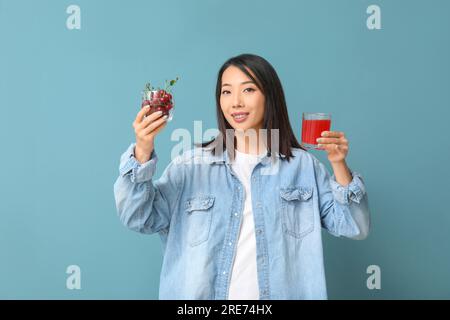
{"x":241,"y":126}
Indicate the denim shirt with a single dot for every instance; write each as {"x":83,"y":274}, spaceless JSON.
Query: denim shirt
{"x":196,"y":207}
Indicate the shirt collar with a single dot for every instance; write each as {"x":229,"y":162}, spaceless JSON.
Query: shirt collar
{"x":223,"y":157}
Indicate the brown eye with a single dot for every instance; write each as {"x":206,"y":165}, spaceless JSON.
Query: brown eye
{"x":249,"y":89}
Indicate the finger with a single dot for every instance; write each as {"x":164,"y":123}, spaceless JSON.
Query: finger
{"x":153,"y":117}
{"x":149,"y":119}
{"x":329,"y":147}
{"x":330,"y":140}
{"x":332,"y":134}
{"x":157,"y":130}
{"x":141,"y":114}
{"x":154,"y":125}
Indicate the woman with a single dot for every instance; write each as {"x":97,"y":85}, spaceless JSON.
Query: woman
{"x":245,"y":222}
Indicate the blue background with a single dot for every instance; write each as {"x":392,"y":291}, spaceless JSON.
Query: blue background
{"x":68,"y":99}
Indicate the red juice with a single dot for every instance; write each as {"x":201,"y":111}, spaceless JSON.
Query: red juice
{"x":312,"y":129}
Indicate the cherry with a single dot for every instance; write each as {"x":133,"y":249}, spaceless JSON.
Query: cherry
{"x":163,"y":100}
{"x":145,"y":103}
{"x":167,"y":98}
{"x":163,"y":109}
{"x":156,"y":102}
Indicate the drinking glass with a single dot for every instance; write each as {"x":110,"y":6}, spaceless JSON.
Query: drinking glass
{"x":313,"y":124}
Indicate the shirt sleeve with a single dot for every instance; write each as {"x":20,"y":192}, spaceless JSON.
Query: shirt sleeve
{"x":344,"y":210}
{"x":144,"y":205}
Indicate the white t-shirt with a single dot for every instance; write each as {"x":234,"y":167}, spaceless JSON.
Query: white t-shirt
{"x":244,"y":276}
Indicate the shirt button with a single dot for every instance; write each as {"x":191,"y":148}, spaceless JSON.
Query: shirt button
{"x":229,"y":243}
{"x":235,"y":214}
{"x":259,"y":231}
{"x":224,"y":272}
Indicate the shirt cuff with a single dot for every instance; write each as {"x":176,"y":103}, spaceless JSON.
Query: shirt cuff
{"x":138,"y":172}
{"x":354,"y":191}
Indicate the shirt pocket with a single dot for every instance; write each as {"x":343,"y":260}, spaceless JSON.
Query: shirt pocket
{"x":297,"y":210}
{"x":199,"y":216}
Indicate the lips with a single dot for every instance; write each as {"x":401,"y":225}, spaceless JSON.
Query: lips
{"x":239,"y":116}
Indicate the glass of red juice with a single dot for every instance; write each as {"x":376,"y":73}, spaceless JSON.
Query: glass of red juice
{"x":313,"y":124}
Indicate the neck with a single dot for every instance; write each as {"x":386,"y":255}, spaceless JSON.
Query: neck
{"x":249,"y":141}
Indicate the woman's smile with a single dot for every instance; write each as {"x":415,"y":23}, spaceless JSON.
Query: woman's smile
{"x":240,"y":117}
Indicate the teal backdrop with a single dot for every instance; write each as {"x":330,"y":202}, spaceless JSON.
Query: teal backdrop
{"x":68,"y":99}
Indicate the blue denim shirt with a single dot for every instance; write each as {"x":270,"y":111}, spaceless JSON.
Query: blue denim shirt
{"x":196,"y":207}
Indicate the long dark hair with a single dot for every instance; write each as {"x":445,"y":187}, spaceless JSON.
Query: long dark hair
{"x":275,"y":111}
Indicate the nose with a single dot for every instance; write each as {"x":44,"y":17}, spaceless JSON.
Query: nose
{"x":237,"y":101}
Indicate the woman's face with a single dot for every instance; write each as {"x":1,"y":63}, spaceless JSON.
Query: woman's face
{"x":241,"y":101}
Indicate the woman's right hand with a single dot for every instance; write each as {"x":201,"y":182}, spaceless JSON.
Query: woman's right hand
{"x":146,"y":128}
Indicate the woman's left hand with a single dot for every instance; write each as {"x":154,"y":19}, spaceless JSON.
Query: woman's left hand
{"x":335,"y":144}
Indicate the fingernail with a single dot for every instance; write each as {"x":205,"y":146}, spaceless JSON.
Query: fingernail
{"x":324,"y":134}
{"x":147,"y":106}
{"x":165,"y":117}
{"x":318,"y":139}
{"x":159,"y":112}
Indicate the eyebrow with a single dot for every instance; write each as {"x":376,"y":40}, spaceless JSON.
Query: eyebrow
{"x":245,"y":82}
